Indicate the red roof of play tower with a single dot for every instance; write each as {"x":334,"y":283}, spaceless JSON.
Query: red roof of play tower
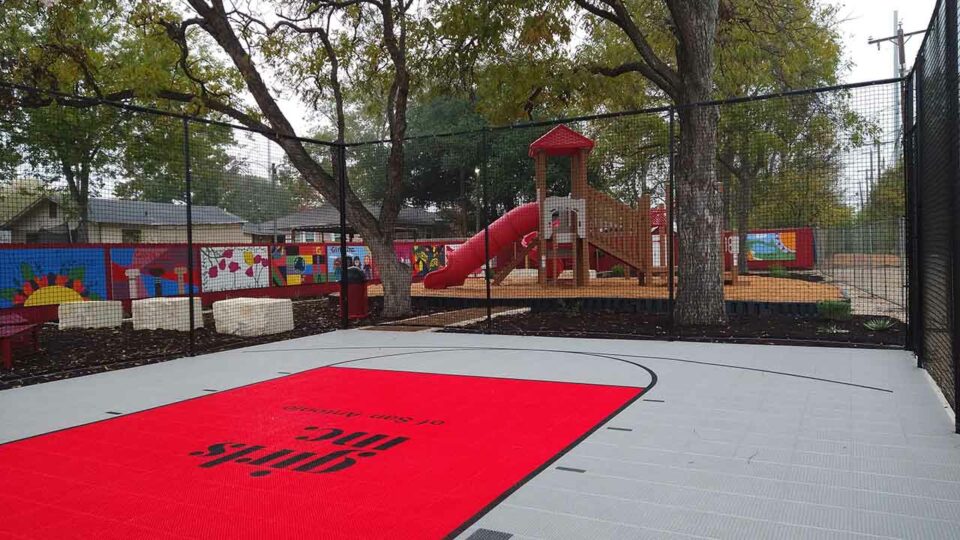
{"x":560,"y":141}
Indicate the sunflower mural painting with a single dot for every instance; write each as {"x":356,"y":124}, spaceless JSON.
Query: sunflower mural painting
{"x":234,"y":268}
{"x":51,"y":276}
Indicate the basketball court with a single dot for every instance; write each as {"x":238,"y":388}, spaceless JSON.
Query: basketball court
{"x":359,"y":434}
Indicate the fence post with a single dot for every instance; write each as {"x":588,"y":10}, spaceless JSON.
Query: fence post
{"x":918,"y":70}
{"x":340,"y":164}
{"x":188,"y":196}
{"x":953,"y":95}
{"x":911,"y":195}
{"x":486,"y":226}
{"x":669,"y":222}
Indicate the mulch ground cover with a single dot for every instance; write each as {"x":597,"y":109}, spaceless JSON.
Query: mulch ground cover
{"x":72,"y":353}
{"x":740,"y":328}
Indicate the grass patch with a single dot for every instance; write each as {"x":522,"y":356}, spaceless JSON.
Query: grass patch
{"x":834,"y":310}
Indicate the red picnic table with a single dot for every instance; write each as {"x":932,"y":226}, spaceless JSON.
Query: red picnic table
{"x":15,"y":328}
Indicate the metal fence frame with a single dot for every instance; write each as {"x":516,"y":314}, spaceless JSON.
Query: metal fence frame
{"x":915,"y":139}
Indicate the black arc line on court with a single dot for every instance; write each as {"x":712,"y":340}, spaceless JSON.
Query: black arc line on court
{"x":546,"y":464}
{"x":613,"y":356}
{"x":429,"y":350}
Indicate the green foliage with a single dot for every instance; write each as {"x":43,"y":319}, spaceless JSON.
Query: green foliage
{"x":834,"y":310}
{"x":102,"y":49}
{"x":570,"y":306}
{"x":885,"y":199}
{"x":778,"y":271}
{"x":255,"y":198}
{"x":879,"y":324}
{"x":618,"y":271}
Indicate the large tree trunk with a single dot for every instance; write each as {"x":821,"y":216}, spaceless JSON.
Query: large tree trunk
{"x":699,"y":218}
{"x":699,"y":205}
{"x":395,"y":276}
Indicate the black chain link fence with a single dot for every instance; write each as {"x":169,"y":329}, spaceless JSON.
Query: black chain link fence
{"x":822,"y":216}
{"x":931,"y":123}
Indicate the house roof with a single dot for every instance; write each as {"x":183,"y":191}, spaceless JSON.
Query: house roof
{"x":560,"y":141}
{"x":127,"y":212}
{"x":153,"y":213}
{"x":326,"y":216}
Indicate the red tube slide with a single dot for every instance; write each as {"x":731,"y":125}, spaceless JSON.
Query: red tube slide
{"x":468,"y":257}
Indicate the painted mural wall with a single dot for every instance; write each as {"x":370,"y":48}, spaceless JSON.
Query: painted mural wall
{"x":298,"y":264}
{"x":146,"y":272}
{"x":772,"y":246}
{"x":427,"y":258}
{"x":49,"y":276}
{"x":357,"y":257}
{"x":234,"y":268}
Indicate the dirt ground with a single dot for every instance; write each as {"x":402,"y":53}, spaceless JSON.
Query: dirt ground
{"x":755,"y":288}
{"x":872,"y":290}
{"x":71,"y":353}
{"x":766,"y":329}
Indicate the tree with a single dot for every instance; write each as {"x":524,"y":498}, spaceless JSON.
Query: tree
{"x":73,"y":48}
{"x":152,"y":160}
{"x":302,"y":46}
{"x":687,"y":77}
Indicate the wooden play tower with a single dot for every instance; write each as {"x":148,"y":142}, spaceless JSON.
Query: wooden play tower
{"x":568,"y":226}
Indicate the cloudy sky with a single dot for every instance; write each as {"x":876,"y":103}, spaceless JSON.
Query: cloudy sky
{"x":863,"y":19}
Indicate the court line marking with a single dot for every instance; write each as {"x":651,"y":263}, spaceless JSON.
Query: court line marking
{"x":612,"y":355}
{"x":429,"y":350}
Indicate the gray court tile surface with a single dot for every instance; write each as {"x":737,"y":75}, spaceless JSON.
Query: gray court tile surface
{"x":733,"y":441}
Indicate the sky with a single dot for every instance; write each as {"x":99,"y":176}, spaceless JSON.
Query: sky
{"x":863,"y":19}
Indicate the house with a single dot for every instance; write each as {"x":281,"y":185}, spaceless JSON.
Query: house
{"x":322,"y":224}
{"x":47,"y":220}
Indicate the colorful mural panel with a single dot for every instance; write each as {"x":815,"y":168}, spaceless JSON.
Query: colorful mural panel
{"x":49,"y":276}
{"x":298,"y":264}
{"x":357,"y":256}
{"x":404,"y":253}
{"x":145,"y":272}
{"x":772,"y":246}
{"x":427,"y":258}
{"x":234,"y":267}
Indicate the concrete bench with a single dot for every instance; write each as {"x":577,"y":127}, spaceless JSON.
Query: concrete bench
{"x":94,"y":314}
{"x":166,"y":314}
{"x":253,"y":316}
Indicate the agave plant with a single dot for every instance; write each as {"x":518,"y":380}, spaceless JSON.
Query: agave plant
{"x":879,"y":324}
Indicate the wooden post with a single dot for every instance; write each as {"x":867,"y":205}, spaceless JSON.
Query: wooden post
{"x":646,"y":241}
{"x":540,"y":165}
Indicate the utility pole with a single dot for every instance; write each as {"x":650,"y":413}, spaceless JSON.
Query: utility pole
{"x":899,"y":39}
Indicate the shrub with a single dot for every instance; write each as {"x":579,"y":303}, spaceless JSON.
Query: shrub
{"x":571,"y":307}
{"x":879,"y":324}
{"x":618,"y":271}
{"x":834,"y":310}
{"x":779,"y":272}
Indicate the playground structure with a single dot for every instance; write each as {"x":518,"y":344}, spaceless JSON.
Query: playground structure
{"x":556,"y":229}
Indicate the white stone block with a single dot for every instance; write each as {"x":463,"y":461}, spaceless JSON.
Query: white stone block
{"x":253,"y":316}
{"x":166,"y":314}
{"x":94,"y":314}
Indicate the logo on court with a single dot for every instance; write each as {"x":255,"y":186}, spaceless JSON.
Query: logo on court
{"x":345,"y":450}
